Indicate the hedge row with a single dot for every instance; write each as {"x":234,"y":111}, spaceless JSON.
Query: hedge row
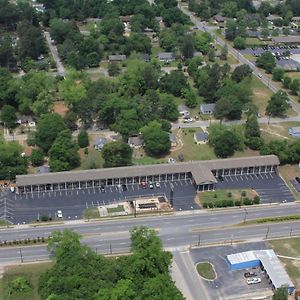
{"x":279,"y":219}
{"x":38,"y":240}
{"x":231,"y":203}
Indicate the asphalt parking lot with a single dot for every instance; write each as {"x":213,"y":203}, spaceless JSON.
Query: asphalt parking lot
{"x":28,"y":207}
{"x":231,"y":284}
{"x":270,"y":187}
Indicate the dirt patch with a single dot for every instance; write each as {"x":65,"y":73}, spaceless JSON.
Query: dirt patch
{"x":60,"y":108}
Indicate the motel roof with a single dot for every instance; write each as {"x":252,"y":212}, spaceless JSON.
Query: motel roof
{"x":286,"y":39}
{"x":201,"y":171}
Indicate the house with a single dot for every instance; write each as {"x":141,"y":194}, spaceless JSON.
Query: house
{"x":125,"y":19}
{"x":219,"y":19}
{"x":173,"y":139}
{"x":207,"y":109}
{"x":296,"y":19}
{"x":99,"y":143}
{"x":294,"y":131}
{"x":116,"y":58}
{"x":183,"y":110}
{"x":200,"y":137}
{"x":26,"y":121}
{"x":136,"y":142}
{"x":166,"y":56}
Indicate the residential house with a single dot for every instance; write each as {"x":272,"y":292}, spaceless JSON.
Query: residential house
{"x":220,"y":20}
{"x":201,"y":137}
{"x":207,"y":109}
{"x":173,"y":139}
{"x":166,"y":56}
{"x":125,"y":19}
{"x":27,"y":121}
{"x":294,"y":131}
{"x":136,"y":142}
{"x":99,"y":143}
{"x":296,"y":19}
{"x":183,"y":111}
{"x":116,"y":58}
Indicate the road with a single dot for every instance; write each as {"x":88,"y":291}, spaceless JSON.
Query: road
{"x":60,"y":67}
{"x":178,"y":232}
{"x":238,"y":55}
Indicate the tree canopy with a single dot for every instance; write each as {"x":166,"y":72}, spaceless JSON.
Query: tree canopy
{"x":116,"y":154}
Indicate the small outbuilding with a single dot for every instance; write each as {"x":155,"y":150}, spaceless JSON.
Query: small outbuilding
{"x":136,"y":142}
{"x":201,"y":137}
{"x":207,"y":109}
{"x":166,"y":56}
{"x":116,"y":58}
{"x":294,"y":131}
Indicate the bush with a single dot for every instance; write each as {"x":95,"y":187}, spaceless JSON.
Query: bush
{"x":44,"y":218}
{"x":237,"y":203}
{"x":20,"y":285}
{"x":205,"y":205}
{"x":215,"y":195}
{"x":229,"y":194}
{"x":37,"y":157}
{"x":247,"y":201}
{"x":256,"y":200}
{"x":83,"y":139}
{"x":113,"y":69}
{"x":243,"y":193}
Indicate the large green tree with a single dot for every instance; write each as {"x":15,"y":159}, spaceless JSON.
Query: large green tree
{"x":8,"y":116}
{"x":48,"y":128}
{"x":116,"y":154}
{"x":278,"y":104}
{"x":266,"y":61}
{"x":156,"y":140}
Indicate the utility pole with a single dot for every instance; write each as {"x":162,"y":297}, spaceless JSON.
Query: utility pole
{"x":21,"y":256}
{"x":245,"y":216}
{"x":110,"y":248}
{"x":199,"y":239}
{"x":268,"y":230}
{"x":291,"y":230}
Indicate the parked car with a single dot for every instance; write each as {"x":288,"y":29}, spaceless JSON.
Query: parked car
{"x":221,"y":178}
{"x":188,"y":120}
{"x":151,"y":185}
{"x":250,"y":274}
{"x":59,"y":214}
{"x":102,"y":189}
{"x":157,"y":184}
{"x":298,"y":179}
{"x":253,"y":280}
{"x":124,"y":187}
{"x":143,"y":184}
{"x":171,"y":160}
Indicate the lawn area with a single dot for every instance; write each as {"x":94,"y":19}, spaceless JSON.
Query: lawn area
{"x":119,"y":208}
{"x":226,"y":195}
{"x":294,"y":75}
{"x":190,"y":150}
{"x":289,"y":247}
{"x":249,"y":56}
{"x":261,"y":95}
{"x":93,"y":160}
{"x":31,"y":272}
{"x":91,"y":213}
{"x":254,"y":42}
{"x":277,"y":131}
{"x":206,"y":270}
{"x":147,"y":160}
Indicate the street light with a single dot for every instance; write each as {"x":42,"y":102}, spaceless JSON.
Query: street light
{"x":268,"y":230}
{"x":245,"y":216}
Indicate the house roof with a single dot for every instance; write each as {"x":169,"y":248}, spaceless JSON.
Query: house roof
{"x":100,"y":141}
{"x":201,"y":136}
{"x":287,"y":39}
{"x":166,"y":55}
{"x":207,"y":107}
{"x":125,"y":18}
{"x":219,"y":18}
{"x":136,"y":141}
{"x":118,"y":57}
{"x":296,"y":19}
{"x":272,"y":17}
{"x":201,"y":170}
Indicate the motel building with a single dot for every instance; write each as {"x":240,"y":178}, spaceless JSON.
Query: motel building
{"x":203,"y":174}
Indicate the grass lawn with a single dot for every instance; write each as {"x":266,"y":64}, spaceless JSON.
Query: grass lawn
{"x":190,"y":150}
{"x":249,"y":56}
{"x":93,"y":160}
{"x":206,"y":270}
{"x":119,"y":208}
{"x":254,"y":42}
{"x":277,"y":131}
{"x":91,"y":213}
{"x":289,"y":247}
{"x":261,"y":95}
{"x":147,"y":160}
{"x":31,"y":272}
{"x":224,"y":195}
{"x":294,"y":75}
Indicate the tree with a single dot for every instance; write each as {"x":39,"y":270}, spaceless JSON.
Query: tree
{"x":295,"y":86}
{"x":241,"y":72}
{"x":63,"y":153}
{"x":48,"y":128}
{"x":287,"y":82}
{"x":114,"y":69}
{"x":83,"y":139}
{"x":167,"y":107}
{"x":265,"y":33}
{"x":224,"y":52}
{"x":252,"y":127}
{"x":278,"y":74}
{"x":188,"y":45}
{"x":173,"y":83}
{"x":278,"y":104}
{"x":280,"y":294}
{"x":266,"y":61}
{"x":93,"y":59}
{"x":239,"y":43}
{"x":116,"y":154}
{"x":157,"y":141}
{"x":37,"y":157}
{"x":190,"y":98}
{"x":211,"y":54}
{"x":8,"y":116}
{"x":70,"y":120}
{"x":231,"y":30}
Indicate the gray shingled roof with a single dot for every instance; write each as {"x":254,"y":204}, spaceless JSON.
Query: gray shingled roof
{"x":287,"y":39}
{"x":201,"y":170}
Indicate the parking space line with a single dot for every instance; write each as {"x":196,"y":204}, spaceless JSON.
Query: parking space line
{"x":271,"y":175}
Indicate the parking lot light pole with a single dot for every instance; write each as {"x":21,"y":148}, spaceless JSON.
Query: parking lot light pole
{"x":291,"y":231}
{"x":21,"y":255}
{"x":199,"y":239}
{"x":245,"y":216}
{"x":268,"y":230}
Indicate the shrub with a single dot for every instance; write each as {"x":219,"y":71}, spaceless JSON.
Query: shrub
{"x":215,"y":195}
{"x":20,"y":285}
{"x":256,"y":199}
{"x":229,"y":194}
{"x":237,"y":203}
{"x":243,"y":193}
{"x":205,"y":205}
{"x":44,"y":218}
{"x":247,"y":201}
{"x":230,"y":202}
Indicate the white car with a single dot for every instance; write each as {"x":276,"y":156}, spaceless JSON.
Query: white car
{"x":188,"y":120}
{"x":59,"y":214}
{"x":151,"y":185}
{"x":171,"y":160}
{"x":253,"y":280}
{"x":157,"y":184}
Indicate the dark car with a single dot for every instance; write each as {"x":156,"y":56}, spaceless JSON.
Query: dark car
{"x":124,"y":187}
{"x":221,"y":178}
{"x":250,"y":274}
{"x":180,"y":157}
{"x":298,"y":179}
{"x":102,"y":189}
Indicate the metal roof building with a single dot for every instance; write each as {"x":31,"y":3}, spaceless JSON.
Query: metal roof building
{"x":202,"y":173}
{"x":269,"y":262}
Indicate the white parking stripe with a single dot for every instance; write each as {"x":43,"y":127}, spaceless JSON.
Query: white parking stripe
{"x":271,"y":175}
